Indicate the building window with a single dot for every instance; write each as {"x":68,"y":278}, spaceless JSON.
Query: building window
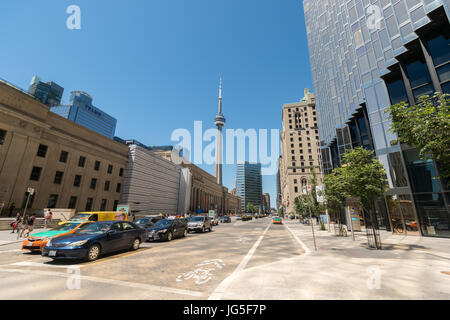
{"x":2,"y":136}
{"x":77,"y":181}
{"x":82,"y":162}
{"x":35,"y":173}
{"x":58,"y":177}
{"x":63,"y":156}
{"x":52,"y":201}
{"x":295,"y":181}
{"x":103,"y":205}
{"x":89,"y":203}
{"x":116,"y":203}
{"x":93,"y":183}
{"x":107,"y":183}
{"x":121,"y":172}
{"x":97,"y":165}
{"x":42,"y":151}
{"x":296,"y":189}
{"x":110,"y":169}
{"x":419,"y":78}
{"x":119,"y":186}
{"x":72,"y":202}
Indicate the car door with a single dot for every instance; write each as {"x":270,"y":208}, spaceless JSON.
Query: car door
{"x":115,"y":237}
{"x":130,"y":234}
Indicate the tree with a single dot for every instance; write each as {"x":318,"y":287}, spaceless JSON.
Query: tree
{"x":425,"y":126}
{"x":301,"y":204}
{"x":251,"y":207}
{"x":363,"y":176}
{"x":304,"y":203}
{"x":336,"y":189}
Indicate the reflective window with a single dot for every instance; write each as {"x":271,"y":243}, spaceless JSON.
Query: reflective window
{"x":434,"y":217}
{"x":422,"y":174}
{"x":439,"y":49}
{"x":397,"y":91}
{"x":418,"y":73}
{"x":398,"y":173}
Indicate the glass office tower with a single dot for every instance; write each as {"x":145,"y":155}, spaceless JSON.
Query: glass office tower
{"x":81,"y":111}
{"x":249,"y":184}
{"x":49,"y":93}
{"x":366,"y":55}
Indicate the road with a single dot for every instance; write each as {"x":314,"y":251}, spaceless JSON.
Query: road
{"x":200,"y":266}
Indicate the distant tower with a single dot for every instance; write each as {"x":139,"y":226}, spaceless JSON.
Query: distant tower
{"x":219,"y":122}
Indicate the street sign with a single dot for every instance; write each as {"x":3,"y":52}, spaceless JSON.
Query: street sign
{"x":320,"y":194}
{"x":304,"y":190}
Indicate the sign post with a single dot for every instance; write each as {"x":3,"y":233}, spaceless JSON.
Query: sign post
{"x":305,"y":191}
{"x":30,"y":193}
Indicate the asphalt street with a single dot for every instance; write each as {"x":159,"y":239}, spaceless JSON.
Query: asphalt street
{"x":199,"y":266}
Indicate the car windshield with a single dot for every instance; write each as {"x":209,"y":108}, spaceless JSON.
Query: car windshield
{"x":66,"y":226}
{"x":197,"y":219}
{"x":225,"y":217}
{"x":143,"y":221}
{"x":164,"y":223}
{"x":97,"y":228}
{"x":80,"y":216}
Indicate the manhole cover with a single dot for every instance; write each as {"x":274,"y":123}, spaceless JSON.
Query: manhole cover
{"x":446,"y":272}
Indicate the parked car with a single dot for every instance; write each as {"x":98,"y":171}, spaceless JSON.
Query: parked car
{"x":99,"y":216}
{"x":37,"y":241}
{"x":148,"y":221}
{"x":225,"y":219}
{"x":214,"y":220}
{"x":238,"y":217}
{"x":200,"y":223}
{"x":92,"y":240}
{"x":167,"y":229}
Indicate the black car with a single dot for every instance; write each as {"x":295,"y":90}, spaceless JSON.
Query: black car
{"x":92,"y":240}
{"x":225,"y":219}
{"x":149,"y":221}
{"x":168,"y":229}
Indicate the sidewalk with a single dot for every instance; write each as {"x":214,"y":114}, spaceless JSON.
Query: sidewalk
{"x":6,"y":237}
{"x":346,"y":269}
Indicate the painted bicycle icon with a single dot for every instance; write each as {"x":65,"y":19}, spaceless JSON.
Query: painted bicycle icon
{"x":202,"y":275}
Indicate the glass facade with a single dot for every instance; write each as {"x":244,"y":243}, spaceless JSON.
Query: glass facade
{"x":360,"y":68}
{"x":249,"y":184}
{"x":82,"y":111}
{"x":48,"y":93}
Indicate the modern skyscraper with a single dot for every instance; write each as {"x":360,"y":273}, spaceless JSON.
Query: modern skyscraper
{"x":364,"y":58}
{"x":300,"y":149}
{"x":266,"y":202}
{"x":219,"y":122}
{"x":249,"y":184}
{"x":81,"y":111}
{"x":48,"y":93}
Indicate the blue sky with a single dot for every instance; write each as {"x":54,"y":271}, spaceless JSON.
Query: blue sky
{"x":155,"y":64}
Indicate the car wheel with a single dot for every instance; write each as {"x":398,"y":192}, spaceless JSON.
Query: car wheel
{"x":203,"y":229}
{"x":136,"y":244}
{"x":210,"y":229}
{"x":93,"y":252}
{"x":185,"y":233}
{"x":169,"y":236}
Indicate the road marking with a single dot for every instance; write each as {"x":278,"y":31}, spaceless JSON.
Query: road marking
{"x":38,"y":264}
{"x":303,"y":245}
{"x":223,"y":286}
{"x":144,"y":286}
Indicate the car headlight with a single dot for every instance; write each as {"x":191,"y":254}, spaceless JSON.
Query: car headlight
{"x":163,"y":230}
{"x":77,"y":244}
{"x":49,"y":244}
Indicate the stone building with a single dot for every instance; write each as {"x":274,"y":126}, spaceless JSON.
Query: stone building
{"x":69,"y":166}
{"x":300,"y":149}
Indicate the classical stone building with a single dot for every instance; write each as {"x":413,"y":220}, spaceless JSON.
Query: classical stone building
{"x":68,"y":165}
{"x":300,"y":149}
{"x":207,"y":195}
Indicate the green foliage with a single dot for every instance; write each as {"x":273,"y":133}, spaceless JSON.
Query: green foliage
{"x":336,"y":189}
{"x":252,"y":208}
{"x":425,"y":126}
{"x":302,"y":203}
{"x":364,"y":176}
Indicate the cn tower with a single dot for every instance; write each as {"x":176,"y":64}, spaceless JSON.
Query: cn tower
{"x":219,"y":122}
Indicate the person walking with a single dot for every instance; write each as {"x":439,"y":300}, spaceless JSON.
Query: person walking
{"x":48,"y":218}
{"x":16,"y":224}
{"x":30,"y":224}
{"x":11,"y":209}
{"x":22,"y":227}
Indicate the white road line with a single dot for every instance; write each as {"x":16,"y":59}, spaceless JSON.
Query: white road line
{"x":45,"y":265}
{"x":305,"y":248}
{"x":143,"y":286}
{"x":223,"y":286}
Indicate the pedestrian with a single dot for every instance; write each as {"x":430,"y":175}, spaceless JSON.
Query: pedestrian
{"x":22,"y":227}
{"x":11,"y":209}
{"x":30,"y":224}
{"x":48,"y":218}
{"x":16,"y":224}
